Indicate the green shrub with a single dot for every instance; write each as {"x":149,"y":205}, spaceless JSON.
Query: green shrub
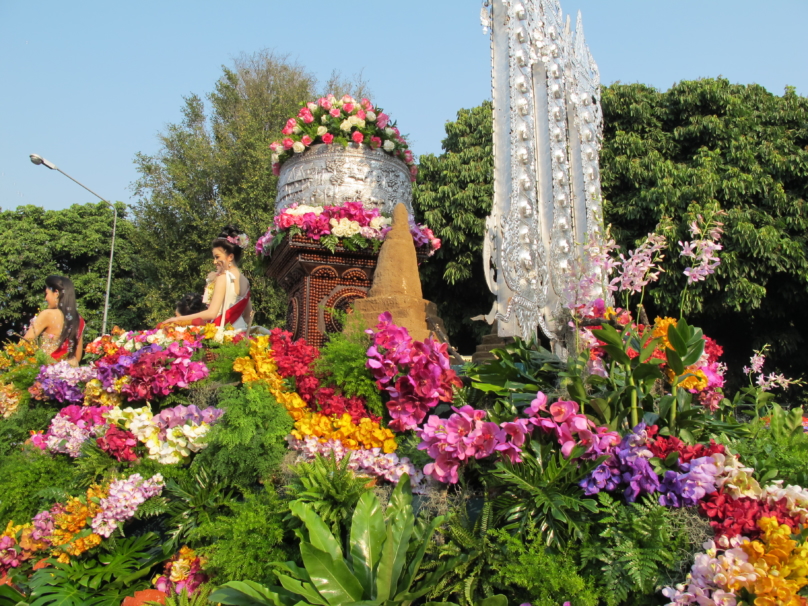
{"x":342,"y":362}
{"x":24,"y":475}
{"x":248,"y":443}
{"x":531,"y":573}
{"x":241,"y":545}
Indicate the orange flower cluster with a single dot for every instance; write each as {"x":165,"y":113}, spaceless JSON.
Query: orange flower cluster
{"x":261,"y":366}
{"x":17,"y":353}
{"x":9,"y":399}
{"x":781,"y":565}
{"x":70,"y":533}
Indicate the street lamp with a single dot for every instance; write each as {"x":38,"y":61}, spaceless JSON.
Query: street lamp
{"x":39,"y":160}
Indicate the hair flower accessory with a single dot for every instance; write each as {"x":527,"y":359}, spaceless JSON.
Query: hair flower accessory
{"x":241,"y":240}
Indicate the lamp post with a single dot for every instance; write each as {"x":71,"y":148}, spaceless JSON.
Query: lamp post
{"x":39,"y":160}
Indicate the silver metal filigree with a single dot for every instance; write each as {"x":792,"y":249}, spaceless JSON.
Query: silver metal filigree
{"x":547,"y":130}
{"x":331,"y":174}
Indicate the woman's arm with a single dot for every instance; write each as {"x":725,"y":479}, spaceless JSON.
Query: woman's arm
{"x":215,"y":307}
{"x":42,"y":321}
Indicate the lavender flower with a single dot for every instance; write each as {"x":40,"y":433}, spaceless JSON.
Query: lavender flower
{"x":702,"y":251}
{"x":637,"y":270}
{"x":125,"y":496}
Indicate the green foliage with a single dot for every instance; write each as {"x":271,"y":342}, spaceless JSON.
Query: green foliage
{"x":343,"y":363}
{"x":24,"y":474}
{"x":531,"y":573}
{"x":191,"y":503}
{"x":94,"y":465}
{"x":16,"y":429}
{"x":542,"y":492}
{"x":706,"y":145}
{"x":200,"y":597}
{"x":779,"y":450}
{"x":630,"y":549}
{"x":329,"y":487}
{"x":221,"y":366}
{"x":100,"y":581}
{"x":453,"y":197}
{"x":74,"y":242}
{"x":469,"y":581}
{"x":381,"y":565}
{"x":247,"y":445}
{"x":241,"y":544}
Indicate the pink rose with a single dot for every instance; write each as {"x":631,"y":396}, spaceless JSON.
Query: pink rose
{"x":382,"y":120}
{"x":361,"y":114}
{"x":348,"y":108}
{"x":328,"y":138}
{"x":357,"y":137}
{"x":375,"y":142}
{"x":347,"y":99}
{"x":306,"y":140}
{"x":367,"y":104}
{"x":413,"y":172}
{"x":276,"y":169}
{"x":305,"y":114}
{"x":273,"y":146}
{"x":287,"y":130}
{"x":324,"y":103}
{"x":287,"y":143}
{"x":334,"y":113}
{"x":408,"y":156}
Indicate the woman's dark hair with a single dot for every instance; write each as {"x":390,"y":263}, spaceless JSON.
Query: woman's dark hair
{"x":190,"y":304}
{"x":67,"y":305}
{"x":229,"y":247}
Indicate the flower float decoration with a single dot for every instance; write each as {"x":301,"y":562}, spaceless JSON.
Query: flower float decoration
{"x":62,"y":382}
{"x":70,"y":428}
{"x":77,"y":525}
{"x":9,"y":399}
{"x":183,"y":571}
{"x":416,"y":375}
{"x":342,"y":121}
{"x":350,"y":225}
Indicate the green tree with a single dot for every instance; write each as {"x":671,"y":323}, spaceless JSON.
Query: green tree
{"x":453,"y":197}
{"x":74,"y":242}
{"x":213,"y":169}
{"x":704,"y":146}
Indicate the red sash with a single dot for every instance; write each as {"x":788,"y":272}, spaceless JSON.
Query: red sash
{"x":231,"y":316}
{"x":62,"y":350}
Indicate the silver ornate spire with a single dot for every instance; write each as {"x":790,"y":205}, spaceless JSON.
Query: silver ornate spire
{"x":547,"y":134}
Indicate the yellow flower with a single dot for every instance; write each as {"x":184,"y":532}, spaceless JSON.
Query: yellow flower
{"x":661,"y":331}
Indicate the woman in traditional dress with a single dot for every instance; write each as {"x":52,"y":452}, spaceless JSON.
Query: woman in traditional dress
{"x":59,"y":327}
{"x":230,"y":301}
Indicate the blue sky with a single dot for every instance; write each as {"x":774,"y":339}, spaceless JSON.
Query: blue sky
{"x":88,"y":84}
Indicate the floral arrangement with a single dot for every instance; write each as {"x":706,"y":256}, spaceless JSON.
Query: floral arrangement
{"x":14,"y":354}
{"x":371,"y":462}
{"x":9,"y":399}
{"x":70,"y":428}
{"x":319,"y":412}
{"x":170,"y":436}
{"x":350,"y":224}
{"x":183,"y":571}
{"x":131,"y":341}
{"x":77,"y":525}
{"x":341,"y":121}
{"x":416,"y":375}
{"x":62,"y":382}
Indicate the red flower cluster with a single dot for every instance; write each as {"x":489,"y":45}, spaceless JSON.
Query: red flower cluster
{"x":712,"y":349}
{"x":662,"y":446}
{"x":295,"y":360}
{"x":733,"y":517}
{"x":118,"y":443}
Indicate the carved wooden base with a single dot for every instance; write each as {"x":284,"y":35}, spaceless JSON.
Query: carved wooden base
{"x":317,"y":281}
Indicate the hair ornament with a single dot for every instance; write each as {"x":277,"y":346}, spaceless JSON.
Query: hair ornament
{"x":241,"y":240}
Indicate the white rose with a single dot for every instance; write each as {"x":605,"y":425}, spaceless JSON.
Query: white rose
{"x":389,"y":132}
{"x":312,"y":106}
{"x":296,"y":130}
{"x":388,"y":146}
{"x":377,"y":222}
{"x":346,"y":125}
{"x":275,"y":158}
{"x":324,"y":118}
{"x":321,"y":130}
{"x":353,"y":228}
{"x":298,"y":147}
{"x":370,"y":116}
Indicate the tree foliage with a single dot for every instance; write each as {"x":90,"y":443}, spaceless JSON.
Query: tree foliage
{"x":709,"y":145}
{"x":74,"y":242}
{"x":453,"y":197}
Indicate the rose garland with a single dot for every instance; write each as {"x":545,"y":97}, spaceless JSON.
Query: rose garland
{"x":341,"y":121}
{"x":349,"y":224}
